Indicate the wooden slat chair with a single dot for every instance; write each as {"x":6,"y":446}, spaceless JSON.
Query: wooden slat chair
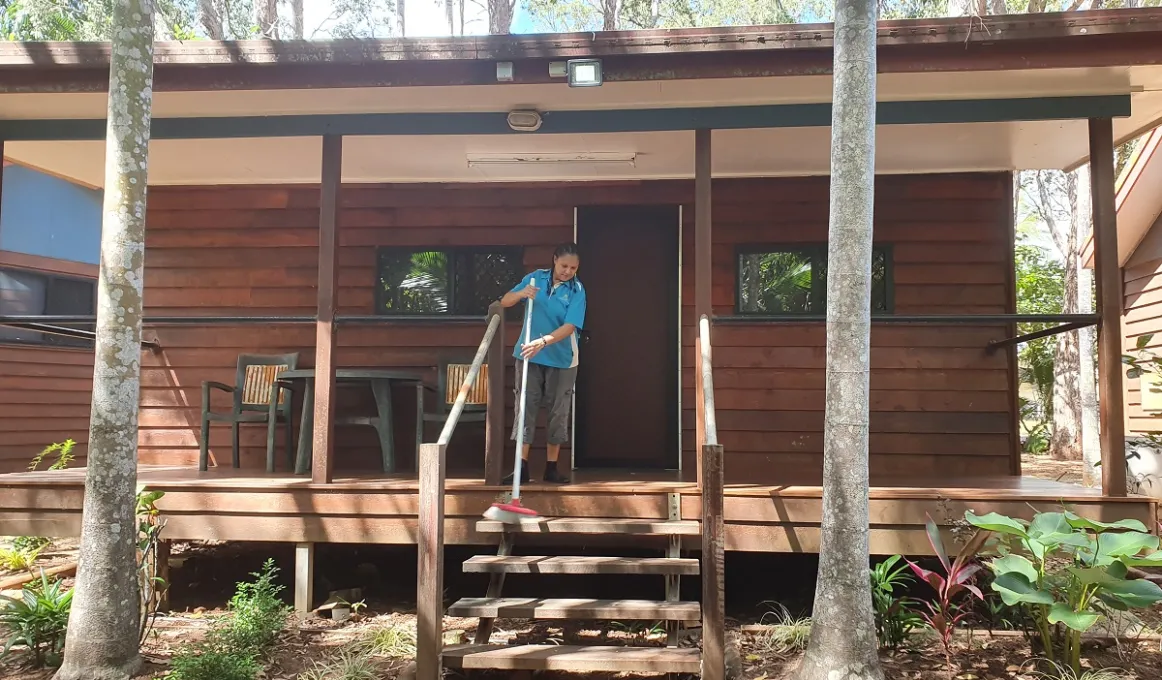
{"x":451,"y":376}
{"x":257,"y":398}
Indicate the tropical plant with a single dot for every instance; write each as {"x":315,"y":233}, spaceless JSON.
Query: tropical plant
{"x":38,"y":620}
{"x":947,"y":611}
{"x":150,"y":584}
{"x":894,"y":614}
{"x":18,"y":559}
{"x":64,"y":451}
{"x":1069,"y":572}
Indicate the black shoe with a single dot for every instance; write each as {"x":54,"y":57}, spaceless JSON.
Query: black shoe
{"x":524,"y":475}
{"x":552,"y":476}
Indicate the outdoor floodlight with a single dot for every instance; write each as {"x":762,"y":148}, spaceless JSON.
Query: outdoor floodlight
{"x":584,"y":72}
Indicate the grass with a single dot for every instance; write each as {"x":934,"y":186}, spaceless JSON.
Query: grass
{"x":787,"y":634}
{"x":348,"y":663}
{"x":1060,"y":672}
{"x":18,"y":559}
{"x":393,"y":641}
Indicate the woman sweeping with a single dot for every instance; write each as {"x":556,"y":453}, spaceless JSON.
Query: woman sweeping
{"x":557,"y":319}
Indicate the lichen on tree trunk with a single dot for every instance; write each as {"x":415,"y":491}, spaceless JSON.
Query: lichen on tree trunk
{"x":843,"y":642}
{"x":102,"y":638}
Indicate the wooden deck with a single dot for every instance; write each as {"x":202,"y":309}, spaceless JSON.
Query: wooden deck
{"x":245,"y":505}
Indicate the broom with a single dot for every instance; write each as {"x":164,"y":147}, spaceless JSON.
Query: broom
{"x":513,"y":512}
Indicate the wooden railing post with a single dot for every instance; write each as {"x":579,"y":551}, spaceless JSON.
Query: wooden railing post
{"x":703,"y":271}
{"x":713,"y":558}
{"x":430,"y":575}
{"x":494,"y":414}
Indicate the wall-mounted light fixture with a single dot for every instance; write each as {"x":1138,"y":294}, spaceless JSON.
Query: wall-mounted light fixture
{"x":524,"y":120}
{"x":584,"y":72}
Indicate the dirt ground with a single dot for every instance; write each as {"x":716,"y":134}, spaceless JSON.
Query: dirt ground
{"x":204,"y":583}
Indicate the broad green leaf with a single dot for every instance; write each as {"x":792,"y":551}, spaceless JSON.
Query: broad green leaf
{"x":1118,"y":544}
{"x":1093,"y":525}
{"x":997,"y":522}
{"x":1144,"y":340}
{"x":1079,"y":621}
{"x":1153,"y":559}
{"x":1103,"y":576}
{"x":1014,"y":588}
{"x":1014,"y":563}
{"x":1049,"y":523}
{"x":1134,"y":592}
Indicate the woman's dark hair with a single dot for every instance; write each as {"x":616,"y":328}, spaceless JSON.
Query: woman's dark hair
{"x":565,"y":249}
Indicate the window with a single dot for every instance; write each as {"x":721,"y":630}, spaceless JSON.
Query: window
{"x":775,"y":280}
{"x":445,"y":281}
{"x":24,"y":292}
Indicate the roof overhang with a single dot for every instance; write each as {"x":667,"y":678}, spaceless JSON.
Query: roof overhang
{"x":1138,"y":199}
{"x":956,"y":95}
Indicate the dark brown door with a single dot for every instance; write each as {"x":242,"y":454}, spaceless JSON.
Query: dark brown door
{"x":627,"y":380}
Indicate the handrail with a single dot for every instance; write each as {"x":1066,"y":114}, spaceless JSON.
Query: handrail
{"x":469,"y":380}
{"x":706,"y":367}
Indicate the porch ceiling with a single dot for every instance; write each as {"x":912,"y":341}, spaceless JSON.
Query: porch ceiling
{"x":769,"y":152}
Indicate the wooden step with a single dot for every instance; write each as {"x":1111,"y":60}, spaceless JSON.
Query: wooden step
{"x":579,"y":659}
{"x":574,"y":608}
{"x":593,"y":525}
{"x":491,"y":564}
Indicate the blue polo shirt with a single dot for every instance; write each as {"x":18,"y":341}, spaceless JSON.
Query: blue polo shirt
{"x":552,"y":308}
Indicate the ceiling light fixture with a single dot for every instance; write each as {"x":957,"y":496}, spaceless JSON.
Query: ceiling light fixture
{"x":542,"y":158}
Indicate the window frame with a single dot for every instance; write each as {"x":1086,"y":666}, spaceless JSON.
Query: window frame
{"x":816,"y":251}
{"x":48,"y":339}
{"x":454,"y":289}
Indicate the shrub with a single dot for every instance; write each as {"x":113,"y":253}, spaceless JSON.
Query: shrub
{"x":894,"y":616}
{"x":947,"y":611}
{"x":1069,"y":573}
{"x":30,"y":543}
{"x":38,"y":620}
{"x":64,"y":451}
{"x":257,"y":613}
{"x":212,"y":663}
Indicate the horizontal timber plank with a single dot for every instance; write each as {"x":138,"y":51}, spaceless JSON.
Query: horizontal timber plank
{"x":574,"y":608}
{"x":563,"y":564}
{"x":576,"y":659}
{"x":593,"y":525}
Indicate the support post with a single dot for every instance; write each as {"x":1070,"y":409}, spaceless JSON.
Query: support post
{"x":304,"y":578}
{"x":1108,"y":274}
{"x":713,"y":558}
{"x":323,"y":435}
{"x":494,"y":413}
{"x":430,"y":572}
{"x":703,"y":263}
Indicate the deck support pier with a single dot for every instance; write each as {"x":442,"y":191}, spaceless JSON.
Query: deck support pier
{"x":304,"y":578}
{"x":323,"y":435}
{"x":1108,"y":276}
{"x":703,"y":263}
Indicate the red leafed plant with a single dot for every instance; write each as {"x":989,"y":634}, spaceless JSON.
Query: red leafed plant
{"x":946,"y":612}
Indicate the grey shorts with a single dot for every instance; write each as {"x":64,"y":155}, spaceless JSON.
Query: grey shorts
{"x":551,"y":388}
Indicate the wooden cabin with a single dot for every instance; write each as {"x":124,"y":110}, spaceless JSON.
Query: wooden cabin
{"x":359,"y":206}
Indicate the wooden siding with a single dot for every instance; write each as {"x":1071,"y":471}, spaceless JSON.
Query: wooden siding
{"x":45,"y":392}
{"x":941,"y":404}
{"x":1142,"y":315}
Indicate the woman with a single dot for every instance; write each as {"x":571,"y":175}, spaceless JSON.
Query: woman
{"x":558,"y":316}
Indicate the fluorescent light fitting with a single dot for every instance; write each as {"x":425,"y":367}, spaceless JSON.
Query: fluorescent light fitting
{"x":584,"y":72}
{"x":539,"y":158}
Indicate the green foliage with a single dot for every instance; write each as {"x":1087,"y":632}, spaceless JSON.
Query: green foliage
{"x":150,"y":586}
{"x":236,"y":643}
{"x":213,"y":663}
{"x":37,"y":620}
{"x":894,"y":614}
{"x":1069,"y":572}
{"x":1040,"y":290}
{"x":18,"y":559}
{"x":396,"y":641}
{"x":257,"y":613}
{"x":64,"y":451}
{"x":31,"y":542}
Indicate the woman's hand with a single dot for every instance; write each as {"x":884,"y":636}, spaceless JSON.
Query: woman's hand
{"x":529,"y":292}
{"x":533,"y":348}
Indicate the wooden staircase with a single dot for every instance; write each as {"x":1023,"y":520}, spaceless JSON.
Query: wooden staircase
{"x":581,"y":658}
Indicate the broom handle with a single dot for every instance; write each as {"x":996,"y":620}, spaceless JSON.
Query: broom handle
{"x":520,"y":424}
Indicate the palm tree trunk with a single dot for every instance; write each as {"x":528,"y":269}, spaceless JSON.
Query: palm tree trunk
{"x":843,"y":638}
{"x":102,"y":639}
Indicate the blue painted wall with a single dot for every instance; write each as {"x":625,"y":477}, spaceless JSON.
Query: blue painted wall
{"x":48,"y":216}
